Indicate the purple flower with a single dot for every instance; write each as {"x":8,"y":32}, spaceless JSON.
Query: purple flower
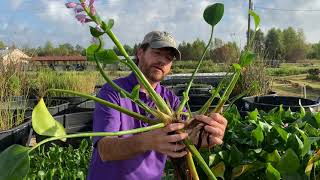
{"x":93,"y":10}
{"x":83,"y":18}
{"x":80,"y":7}
{"x":78,"y":10}
{"x":91,"y":3}
{"x":71,"y":5}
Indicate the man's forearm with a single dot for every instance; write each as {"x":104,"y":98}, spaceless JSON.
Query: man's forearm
{"x":120,"y":148}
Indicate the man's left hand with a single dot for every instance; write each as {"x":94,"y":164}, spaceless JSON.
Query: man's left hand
{"x":215,"y":126}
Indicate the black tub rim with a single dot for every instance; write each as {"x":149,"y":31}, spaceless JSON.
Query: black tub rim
{"x":315,"y":102}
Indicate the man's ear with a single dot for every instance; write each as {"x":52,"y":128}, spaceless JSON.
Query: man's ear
{"x":139,"y":53}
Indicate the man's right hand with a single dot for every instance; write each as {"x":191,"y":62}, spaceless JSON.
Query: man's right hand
{"x":162,"y":141}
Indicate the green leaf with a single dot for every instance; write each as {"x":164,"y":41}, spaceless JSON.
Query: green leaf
{"x":236,"y":67}
{"x":239,"y":170}
{"x":135,"y":92}
{"x":110,"y":23}
{"x":295,"y":143}
{"x":256,"y":19}
{"x":108,"y":26}
{"x":283,"y":134}
{"x":14,"y":162}
{"x":272,"y":173}
{"x":218,"y":170}
{"x":44,"y":124}
{"x":95,"y":32}
{"x":235,"y":156}
{"x":213,"y":13}
{"x":213,"y":158}
{"x":289,"y":162}
{"x":104,"y":56}
{"x":253,"y":115}
{"x":246,"y":58}
{"x":273,"y":157}
{"x":257,"y":135}
{"x":306,"y":142}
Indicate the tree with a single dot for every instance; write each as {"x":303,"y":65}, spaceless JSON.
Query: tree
{"x":294,"y":45}
{"x":185,"y":50}
{"x":273,"y":44}
{"x":47,"y":50}
{"x":2,"y":45}
{"x":228,"y":53}
{"x":198,"y":47}
{"x":128,"y":48}
{"x":314,"y":51}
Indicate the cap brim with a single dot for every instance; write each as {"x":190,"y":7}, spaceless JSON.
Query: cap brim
{"x":162,"y":44}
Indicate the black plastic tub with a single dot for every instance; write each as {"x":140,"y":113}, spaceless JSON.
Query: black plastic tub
{"x":266,"y":103}
{"x":16,"y":135}
{"x":75,"y":121}
{"x":54,"y":106}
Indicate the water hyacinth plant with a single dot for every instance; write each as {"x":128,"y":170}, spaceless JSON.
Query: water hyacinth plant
{"x":14,"y":161}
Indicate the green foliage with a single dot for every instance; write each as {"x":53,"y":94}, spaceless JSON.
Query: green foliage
{"x":272,"y":145}
{"x":2,"y":45}
{"x":294,"y":45}
{"x":16,"y":157}
{"x":213,"y":13}
{"x":131,"y":51}
{"x":56,"y":162}
{"x":273,"y":44}
{"x":48,"y":79}
{"x":226,"y":53}
{"x":105,"y":56}
{"x":44,"y":124}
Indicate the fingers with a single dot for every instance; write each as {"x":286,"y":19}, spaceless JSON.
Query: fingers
{"x":173,"y":127}
{"x":176,"y":137}
{"x":214,"y":117}
{"x":217,"y":132}
{"x":219,"y":118}
{"x":215,"y":141}
{"x":175,"y":154}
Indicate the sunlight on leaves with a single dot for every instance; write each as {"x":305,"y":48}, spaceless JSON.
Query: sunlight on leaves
{"x":44,"y":124}
{"x":256,"y":19}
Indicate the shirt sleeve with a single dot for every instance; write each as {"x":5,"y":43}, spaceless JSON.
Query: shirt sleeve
{"x":106,"y":119}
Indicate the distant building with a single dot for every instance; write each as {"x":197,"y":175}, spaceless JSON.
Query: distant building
{"x":13,"y":56}
{"x":62,"y":63}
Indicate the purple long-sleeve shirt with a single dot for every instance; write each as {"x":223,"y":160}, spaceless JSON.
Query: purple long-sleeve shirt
{"x":148,"y":165}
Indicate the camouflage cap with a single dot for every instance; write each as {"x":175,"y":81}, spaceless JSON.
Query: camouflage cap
{"x":161,"y":39}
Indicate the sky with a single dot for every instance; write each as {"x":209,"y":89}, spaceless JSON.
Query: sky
{"x":33,"y":22}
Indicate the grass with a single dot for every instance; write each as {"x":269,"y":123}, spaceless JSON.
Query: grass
{"x":287,"y":69}
{"x":292,"y":86}
{"x":13,"y":82}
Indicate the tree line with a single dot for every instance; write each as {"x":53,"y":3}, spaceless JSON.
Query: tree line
{"x":288,"y":45}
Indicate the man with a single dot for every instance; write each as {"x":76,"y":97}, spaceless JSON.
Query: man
{"x":143,"y":156}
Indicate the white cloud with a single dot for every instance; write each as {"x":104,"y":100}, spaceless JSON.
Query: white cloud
{"x":133,"y":19}
{"x":15,"y":4}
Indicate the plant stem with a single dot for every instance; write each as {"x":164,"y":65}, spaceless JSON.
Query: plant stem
{"x":118,"y":88}
{"x":227,"y":93}
{"x":160,"y":103}
{"x":199,"y":159}
{"x":191,"y":166}
{"x":109,"y":104}
{"x":185,"y":98}
{"x":92,"y":134}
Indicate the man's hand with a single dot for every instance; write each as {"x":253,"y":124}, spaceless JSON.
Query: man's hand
{"x":215,"y":125}
{"x":160,"y":140}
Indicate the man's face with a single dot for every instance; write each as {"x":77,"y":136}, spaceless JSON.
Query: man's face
{"x":155,"y":64}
